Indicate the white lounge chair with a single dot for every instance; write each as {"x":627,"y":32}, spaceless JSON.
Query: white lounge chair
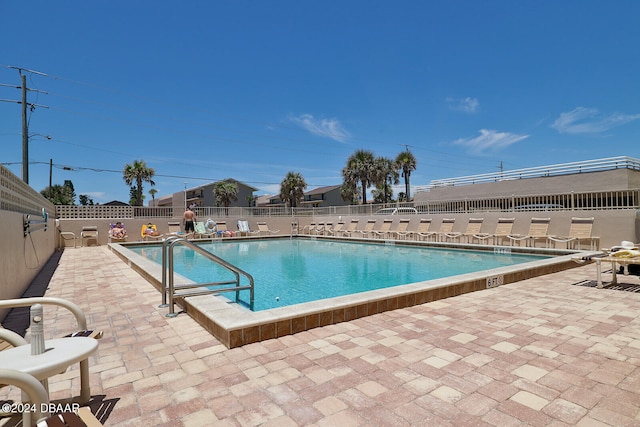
{"x":401,"y":231}
{"x":384,"y":230}
{"x":537,"y":231}
{"x":446,"y":229}
{"x":264,"y":228}
{"x":244,"y":230}
{"x":200,"y":231}
{"x":580,"y":231}
{"x":89,"y":232}
{"x":474,"y":226}
{"x":351,"y":228}
{"x":368,"y":228}
{"x":175,"y":229}
{"x":503,"y":229}
{"x":335,"y":230}
{"x":423,"y":232}
{"x":310,"y":228}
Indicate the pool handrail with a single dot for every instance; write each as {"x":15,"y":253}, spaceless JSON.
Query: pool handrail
{"x":167,"y":247}
{"x":165,"y":242}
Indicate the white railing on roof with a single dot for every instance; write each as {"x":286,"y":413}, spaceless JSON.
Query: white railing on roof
{"x":621,"y":162}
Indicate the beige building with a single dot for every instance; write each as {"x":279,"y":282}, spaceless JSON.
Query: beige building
{"x":204,"y":196}
{"x":318,"y":197}
{"x":596,"y":177}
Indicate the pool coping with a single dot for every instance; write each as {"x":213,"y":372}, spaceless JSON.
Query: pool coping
{"x":235,"y":325}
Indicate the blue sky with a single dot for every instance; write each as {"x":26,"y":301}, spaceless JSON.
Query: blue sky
{"x":250,"y":90}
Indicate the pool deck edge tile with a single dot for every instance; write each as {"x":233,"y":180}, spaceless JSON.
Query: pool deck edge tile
{"x":236,"y":325}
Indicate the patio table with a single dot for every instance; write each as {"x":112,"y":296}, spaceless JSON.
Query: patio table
{"x":613,"y":260}
{"x":58,"y":355}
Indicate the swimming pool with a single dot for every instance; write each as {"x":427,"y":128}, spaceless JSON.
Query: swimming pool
{"x":235,"y":325}
{"x":294,"y":271}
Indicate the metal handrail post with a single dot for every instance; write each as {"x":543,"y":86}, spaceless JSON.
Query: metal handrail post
{"x":237,"y":285}
{"x":164,"y":274}
{"x":165,"y":242}
{"x":251,"y":292}
{"x":171,"y":284}
{"x":171,"y":277}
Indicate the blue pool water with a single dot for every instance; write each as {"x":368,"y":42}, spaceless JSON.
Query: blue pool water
{"x":290,"y":271}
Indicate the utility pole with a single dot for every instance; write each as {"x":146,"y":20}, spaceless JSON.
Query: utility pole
{"x":50,"y":174}
{"x":25,"y":131}
{"x":25,"y":122}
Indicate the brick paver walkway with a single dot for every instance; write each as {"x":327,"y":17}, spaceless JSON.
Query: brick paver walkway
{"x":539,"y":352}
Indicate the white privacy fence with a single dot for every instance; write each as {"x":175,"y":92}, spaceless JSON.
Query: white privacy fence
{"x":593,"y":200}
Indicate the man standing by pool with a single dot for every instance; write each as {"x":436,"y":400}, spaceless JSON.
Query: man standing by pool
{"x":189,"y":219}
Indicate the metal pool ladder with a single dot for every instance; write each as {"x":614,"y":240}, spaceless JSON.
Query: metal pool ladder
{"x":198,"y":288}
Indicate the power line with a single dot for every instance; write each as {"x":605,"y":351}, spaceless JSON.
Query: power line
{"x":100,"y":170}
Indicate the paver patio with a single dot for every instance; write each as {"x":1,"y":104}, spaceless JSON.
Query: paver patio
{"x":540,"y":352}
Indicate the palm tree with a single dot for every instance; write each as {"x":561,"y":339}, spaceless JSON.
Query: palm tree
{"x":225,"y":192}
{"x":349,"y":193}
{"x":386,"y":175}
{"x":133,"y":196}
{"x":138,"y":172}
{"x":381,"y":194}
{"x":153,"y":193}
{"x":406,"y":162}
{"x":360,"y":168}
{"x":292,"y":189}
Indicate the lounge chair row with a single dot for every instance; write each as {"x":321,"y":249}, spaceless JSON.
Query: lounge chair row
{"x":207,"y":229}
{"x":211,"y":229}
{"x":203,"y":229}
{"x":579,"y":232}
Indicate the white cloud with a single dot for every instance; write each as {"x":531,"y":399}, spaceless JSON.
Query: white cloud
{"x":96,"y":194}
{"x":589,"y":120}
{"x":467,"y":105}
{"x":490,"y":140}
{"x":330,"y":128}
{"x":270,"y":188}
